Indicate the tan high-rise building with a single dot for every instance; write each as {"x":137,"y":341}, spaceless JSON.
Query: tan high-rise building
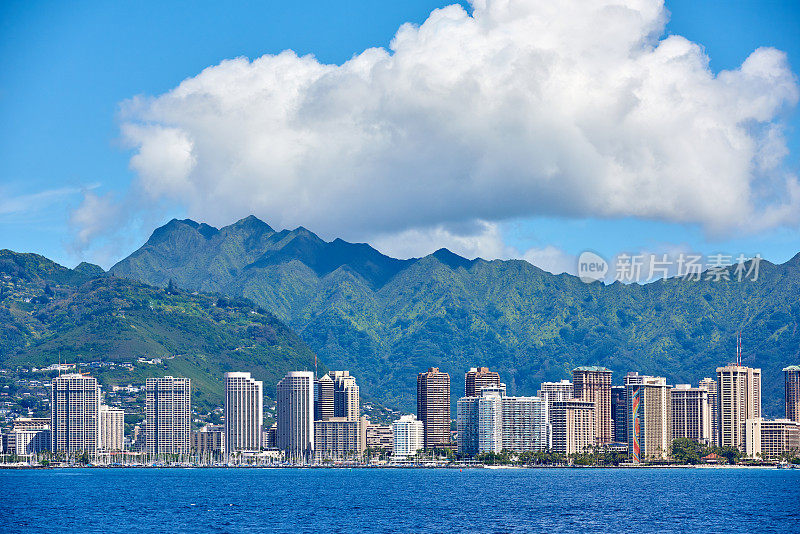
{"x":593,"y":384}
{"x":792,"y":375}
{"x":244,"y":413}
{"x":649,"y":417}
{"x":433,"y":407}
{"x":710,"y":385}
{"x":74,"y":420}
{"x":112,"y":428}
{"x":477,"y":378}
{"x":768,"y":440}
{"x":738,"y":399}
{"x":691,"y":413}
{"x":573,"y":423}
{"x":169,"y":415}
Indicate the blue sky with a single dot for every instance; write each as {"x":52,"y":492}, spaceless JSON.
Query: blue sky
{"x":67,"y":67}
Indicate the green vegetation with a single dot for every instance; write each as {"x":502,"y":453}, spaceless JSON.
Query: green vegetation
{"x":386,"y":319}
{"x":689,"y":451}
{"x":49,"y":313}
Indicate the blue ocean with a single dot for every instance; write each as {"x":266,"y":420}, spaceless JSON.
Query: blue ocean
{"x":400,"y":500}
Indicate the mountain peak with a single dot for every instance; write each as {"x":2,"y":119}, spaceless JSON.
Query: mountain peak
{"x":253,"y":223}
{"x":451,"y":259}
{"x":178,"y":226}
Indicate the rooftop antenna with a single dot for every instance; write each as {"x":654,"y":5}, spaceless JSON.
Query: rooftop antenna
{"x":315,"y":366}
{"x":739,"y":349}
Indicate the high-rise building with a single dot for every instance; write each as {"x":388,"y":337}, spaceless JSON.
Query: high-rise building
{"x":467,"y":425}
{"x":493,"y":422}
{"x":769,"y":440}
{"x":409,"y":436}
{"x":477,"y":378}
{"x":710,"y":385}
{"x":649,"y":417}
{"x":323,"y":398}
{"x":345,"y":396}
{"x":433,"y":407}
{"x":112,"y":429}
{"x":74,"y":420}
{"x":244,"y":413}
{"x":524,"y":424}
{"x":337,"y":438}
{"x":552,"y":392}
{"x":490,"y":421}
{"x":295,"y":399}
{"x":619,"y":414}
{"x":169,"y":415}
{"x":691,"y":413}
{"x":593,"y":384}
{"x":573,"y":426}
{"x":738,"y":399}
{"x":792,"y":392}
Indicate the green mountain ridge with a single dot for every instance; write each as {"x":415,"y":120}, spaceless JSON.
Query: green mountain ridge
{"x":387,"y":319}
{"x":49,"y":313}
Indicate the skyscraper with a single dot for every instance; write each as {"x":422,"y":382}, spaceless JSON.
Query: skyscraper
{"x":490,"y":421}
{"x":493,"y":422}
{"x":738,"y":399}
{"x":552,"y":392}
{"x":619,"y":414}
{"x":649,"y":417}
{"x":792,"y":391}
{"x":691,"y":413}
{"x":593,"y":384}
{"x":244,"y":413}
{"x":323,"y":398}
{"x":112,"y":428}
{"x":433,"y":407}
{"x":345,"y":396}
{"x":710,"y":385}
{"x":295,"y":399}
{"x":477,"y":378}
{"x":74,"y":420}
{"x":573,"y":426}
{"x":169,"y":414}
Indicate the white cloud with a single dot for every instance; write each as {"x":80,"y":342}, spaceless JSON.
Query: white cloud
{"x":525,"y":108}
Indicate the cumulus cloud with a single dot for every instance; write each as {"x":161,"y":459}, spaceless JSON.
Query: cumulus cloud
{"x":522,"y":108}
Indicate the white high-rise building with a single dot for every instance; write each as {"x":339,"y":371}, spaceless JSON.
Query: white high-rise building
{"x":169,"y":415}
{"x":691,"y":413}
{"x":738,"y":399}
{"x":552,"y":392}
{"x":74,"y":420}
{"x":525,"y":424}
{"x":295,"y":431}
{"x":490,"y":420}
{"x":244,"y":413}
{"x":493,"y":422}
{"x":710,"y":385}
{"x":112,"y":429}
{"x":408,"y":435}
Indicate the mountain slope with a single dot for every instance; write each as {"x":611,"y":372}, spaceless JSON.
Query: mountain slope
{"x":49,"y":312}
{"x":387,"y":319}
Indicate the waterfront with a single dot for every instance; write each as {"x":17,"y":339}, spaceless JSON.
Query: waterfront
{"x":400,"y":500}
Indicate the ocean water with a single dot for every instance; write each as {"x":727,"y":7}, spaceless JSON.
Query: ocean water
{"x":400,"y":500}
